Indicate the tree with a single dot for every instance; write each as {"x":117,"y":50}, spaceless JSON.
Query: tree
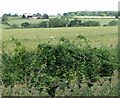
{"x":56,"y":22}
{"x":91,"y":23}
{"x":4,"y":18}
{"x":23,"y":16}
{"x":25,"y":24}
{"x":38,"y":14}
{"x":43,"y":24}
{"x":15,"y":15}
{"x":74,"y":23}
{"x":45,"y":16}
{"x":65,"y":14}
{"x":7,"y":14}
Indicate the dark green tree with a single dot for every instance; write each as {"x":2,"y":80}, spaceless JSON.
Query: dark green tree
{"x":43,"y":24}
{"x":74,"y":23}
{"x":57,"y":22}
{"x":91,"y":23}
{"x":4,"y":18}
{"x":45,"y":16}
{"x":23,"y":16}
{"x":25,"y":24}
{"x":15,"y":15}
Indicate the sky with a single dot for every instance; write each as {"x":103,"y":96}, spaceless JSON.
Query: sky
{"x":53,"y":7}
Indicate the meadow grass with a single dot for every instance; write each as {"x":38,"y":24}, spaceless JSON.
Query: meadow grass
{"x":20,"y":21}
{"x":31,"y":37}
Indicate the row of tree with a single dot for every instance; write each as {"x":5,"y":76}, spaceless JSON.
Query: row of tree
{"x":39,"y":16}
{"x":92,"y":13}
{"x":63,"y":22}
{"x":78,"y":13}
{"x":56,"y":22}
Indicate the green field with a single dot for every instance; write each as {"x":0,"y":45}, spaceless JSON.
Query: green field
{"x":20,"y":21}
{"x":97,"y":36}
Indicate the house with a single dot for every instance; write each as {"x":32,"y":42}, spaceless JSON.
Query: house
{"x":34,"y":17}
{"x":29,"y":16}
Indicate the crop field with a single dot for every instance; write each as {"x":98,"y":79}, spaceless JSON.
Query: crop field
{"x":97,"y":36}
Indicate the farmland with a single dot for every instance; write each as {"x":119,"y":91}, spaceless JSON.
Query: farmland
{"x":23,"y":64}
{"x":31,"y":37}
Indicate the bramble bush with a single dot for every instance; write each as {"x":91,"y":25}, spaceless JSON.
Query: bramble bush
{"x":52,"y":66}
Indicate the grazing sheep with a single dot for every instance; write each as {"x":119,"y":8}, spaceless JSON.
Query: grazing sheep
{"x":52,"y":37}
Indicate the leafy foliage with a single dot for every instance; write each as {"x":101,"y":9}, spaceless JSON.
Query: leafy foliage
{"x":25,"y":24}
{"x":53,"y":66}
{"x":91,"y":23}
{"x":45,"y":16}
{"x":23,"y":16}
{"x":4,"y":18}
{"x":56,"y":22}
{"x":75,"y":22}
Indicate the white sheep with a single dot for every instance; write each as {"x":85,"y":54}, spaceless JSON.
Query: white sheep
{"x":52,"y":37}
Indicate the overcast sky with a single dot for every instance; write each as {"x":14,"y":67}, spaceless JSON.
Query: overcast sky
{"x":52,"y":7}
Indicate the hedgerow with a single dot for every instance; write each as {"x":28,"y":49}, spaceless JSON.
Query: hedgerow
{"x":52,"y":66}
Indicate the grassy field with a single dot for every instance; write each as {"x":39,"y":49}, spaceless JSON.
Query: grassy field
{"x":31,"y":37}
{"x":20,"y":21}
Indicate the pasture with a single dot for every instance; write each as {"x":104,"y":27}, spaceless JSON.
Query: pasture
{"x":97,"y":36}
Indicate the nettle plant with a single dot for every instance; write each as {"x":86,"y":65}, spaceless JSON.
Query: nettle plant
{"x":52,"y":66}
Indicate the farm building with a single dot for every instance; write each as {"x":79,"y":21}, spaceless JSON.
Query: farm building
{"x":30,"y":16}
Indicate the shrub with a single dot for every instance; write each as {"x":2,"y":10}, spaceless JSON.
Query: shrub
{"x":74,"y":23}
{"x":45,"y":16}
{"x":91,"y":23}
{"x":25,"y":24}
{"x":23,"y":16}
{"x":53,"y":66}
{"x":43,"y":24}
{"x":4,"y":18}
{"x":56,"y":22}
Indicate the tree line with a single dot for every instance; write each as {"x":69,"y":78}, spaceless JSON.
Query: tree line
{"x":75,"y":13}
{"x":63,"y":22}
{"x":93,"y":13}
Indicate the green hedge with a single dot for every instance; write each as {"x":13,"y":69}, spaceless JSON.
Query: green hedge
{"x":53,"y":66}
